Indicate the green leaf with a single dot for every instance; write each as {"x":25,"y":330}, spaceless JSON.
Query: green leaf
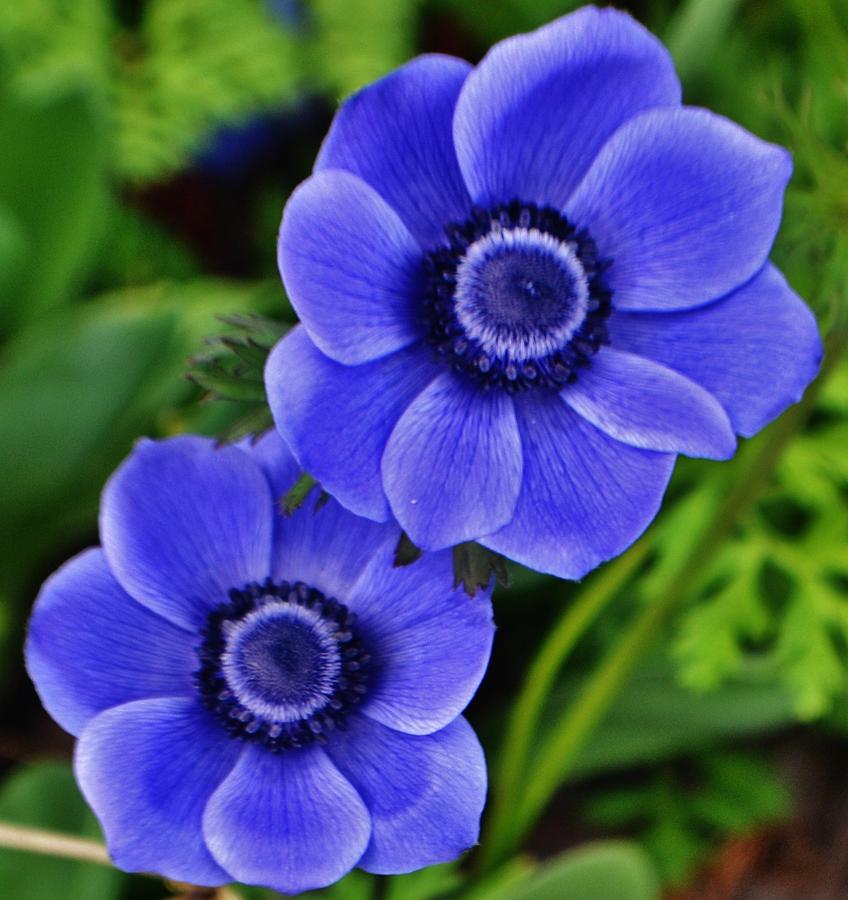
{"x":608,"y":870}
{"x":656,"y":718}
{"x":54,"y":182}
{"x":76,"y":389}
{"x":777,"y":589}
{"x":45,"y":795}
{"x":294,"y":499}
{"x":356,"y":41}
{"x":695,"y":32}
{"x":406,"y":552}
{"x":231,"y":368}
{"x":496,"y":21}
{"x":426,"y":884}
{"x":474,"y":566}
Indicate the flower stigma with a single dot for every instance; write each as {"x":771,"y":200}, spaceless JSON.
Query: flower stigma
{"x":517,"y":298}
{"x":281,"y":665}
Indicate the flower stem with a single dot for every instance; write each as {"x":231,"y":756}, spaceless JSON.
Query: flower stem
{"x":541,"y":676}
{"x":50,"y":843}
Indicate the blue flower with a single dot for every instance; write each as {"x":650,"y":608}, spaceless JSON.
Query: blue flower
{"x":258,"y":698}
{"x":525,"y":287}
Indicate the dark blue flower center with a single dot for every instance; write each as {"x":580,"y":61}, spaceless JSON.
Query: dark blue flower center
{"x":518,"y":298}
{"x":281,"y":665}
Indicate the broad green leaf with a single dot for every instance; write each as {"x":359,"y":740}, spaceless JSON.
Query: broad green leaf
{"x":76,"y":390}
{"x":696,"y":30}
{"x":609,"y":870}
{"x":656,"y":718}
{"x":44,"y":795}
{"x":53,"y":180}
{"x":13,"y":247}
{"x":426,"y":884}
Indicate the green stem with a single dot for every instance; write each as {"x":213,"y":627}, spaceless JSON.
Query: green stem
{"x":573,"y":730}
{"x":50,"y":843}
{"x":537,"y":685}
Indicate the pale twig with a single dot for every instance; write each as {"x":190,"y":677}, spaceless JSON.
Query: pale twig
{"x":50,"y":843}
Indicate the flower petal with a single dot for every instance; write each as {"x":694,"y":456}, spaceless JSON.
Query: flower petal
{"x":429,"y":642}
{"x":536,"y":111}
{"x":352,"y":269}
{"x":274,"y":458}
{"x":687,"y":205}
{"x":644,"y":404}
{"x":288,"y":821}
{"x":91,"y":646}
{"x":322,"y":544}
{"x":584,"y":498}
{"x":327,"y":547}
{"x":425,"y":793}
{"x":337,"y":419}
{"x":397,"y":135}
{"x":756,"y":349}
{"x":147,"y":770}
{"x":183,"y":522}
{"x":452,"y":466}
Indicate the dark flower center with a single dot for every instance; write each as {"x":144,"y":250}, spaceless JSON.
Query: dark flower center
{"x":280,"y":664}
{"x":517,"y":299}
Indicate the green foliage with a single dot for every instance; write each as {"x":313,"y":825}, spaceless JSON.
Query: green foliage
{"x":53,"y":189}
{"x":655,"y":718}
{"x":696,"y":31}
{"x":189,"y":67}
{"x":231,"y":368}
{"x":44,"y":795}
{"x":778,"y":588}
{"x":682,"y":811}
{"x":193,"y":66}
{"x":495,"y":21}
{"x":357,"y":41}
{"x":475,"y":566}
{"x":607,"y":870}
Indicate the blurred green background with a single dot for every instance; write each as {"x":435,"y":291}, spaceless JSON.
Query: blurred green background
{"x":677,"y":724}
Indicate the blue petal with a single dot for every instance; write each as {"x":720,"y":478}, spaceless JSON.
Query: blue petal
{"x":429,"y":642}
{"x":183,"y":522}
{"x":687,"y":205}
{"x":353,"y":271}
{"x":452,"y":466}
{"x":337,"y":419}
{"x":91,"y":646}
{"x":585,"y":497}
{"x":321,"y":544}
{"x":536,"y":111}
{"x":147,"y":769}
{"x":756,"y":350}
{"x":646,"y":405}
{"x":327,"y":547}
{"x":425,"y":794}
{"x":276,"y":461}
{"x":397,"y":135}
{"x":287,"y":821}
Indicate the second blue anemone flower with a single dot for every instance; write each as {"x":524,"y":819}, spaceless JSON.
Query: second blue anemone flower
{"x":525,"y":287}
{"x":257,"y":698}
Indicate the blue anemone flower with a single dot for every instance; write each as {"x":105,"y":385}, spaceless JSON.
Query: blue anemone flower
{"x":259,"y":698}
{"x":525,"y":286}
